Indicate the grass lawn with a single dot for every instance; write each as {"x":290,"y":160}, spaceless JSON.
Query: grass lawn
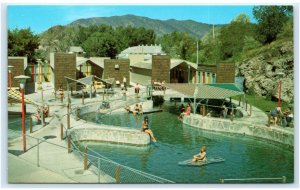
{"x":263,"y":104}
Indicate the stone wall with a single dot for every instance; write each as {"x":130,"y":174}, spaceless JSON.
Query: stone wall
{"x":238,"y":127}
{"x":110,"y":70}
{"x":63,"y":64}
{"x":161,"y":68}
{"x":111,"y":134}
{"x":225,"y":73}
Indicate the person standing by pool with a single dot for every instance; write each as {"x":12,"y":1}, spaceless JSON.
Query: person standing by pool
{"x":137,"y":90}
{"x":274,"y":113}
{"x":146,"y":129}
{"x":124,"y":83}
{"x":201,"y":156}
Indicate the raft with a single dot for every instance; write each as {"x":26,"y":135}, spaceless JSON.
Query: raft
{"x":210,"y":160}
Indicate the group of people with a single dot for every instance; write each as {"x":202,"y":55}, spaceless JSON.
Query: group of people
{"x":137,"y":109}
{"x":157,"y":85}
{"x":184,"y":111}
{"x":44,"y":110}
{"x":286,"y":116}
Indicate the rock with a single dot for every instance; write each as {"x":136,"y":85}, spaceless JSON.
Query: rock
{"x":260,"y":72}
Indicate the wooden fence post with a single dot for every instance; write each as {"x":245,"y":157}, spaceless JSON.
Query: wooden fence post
{"x":30,"y":123}
{"x":85,"y":160}
{"x":69,"y":144}
{"x":118,"y":172}
{"x":61,"y":131}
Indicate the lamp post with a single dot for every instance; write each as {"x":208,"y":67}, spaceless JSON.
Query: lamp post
{"x":10,"y":74}
{"x":22,"y":81}
{"x":280,"y":74}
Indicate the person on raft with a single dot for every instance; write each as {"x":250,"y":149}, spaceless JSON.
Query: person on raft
{"x":201,"y":156}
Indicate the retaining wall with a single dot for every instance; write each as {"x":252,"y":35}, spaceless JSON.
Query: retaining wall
{"x":238,"y":127}
{"x":112,"y":134}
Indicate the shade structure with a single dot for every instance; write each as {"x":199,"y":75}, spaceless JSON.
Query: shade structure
{"x":206,"y":91}
{"x":14,"y":96}
{"x":89,"y":80}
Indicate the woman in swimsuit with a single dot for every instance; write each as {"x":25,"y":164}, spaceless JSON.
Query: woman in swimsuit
{"x":146,"y":129}
{"x":201,"y":156}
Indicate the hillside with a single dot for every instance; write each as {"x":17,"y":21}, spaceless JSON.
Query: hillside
{"x":160,"y":27}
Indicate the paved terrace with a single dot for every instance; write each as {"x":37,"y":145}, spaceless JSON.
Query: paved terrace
{"x":56,"y":165}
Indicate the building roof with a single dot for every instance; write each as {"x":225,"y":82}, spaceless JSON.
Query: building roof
{"x":144,"y":49}
{"x":96,"y":60}
{"x":76,"y":49}
{"x":174,"y":62}
{"x":143,"y":64}
{"x":206,"y":91}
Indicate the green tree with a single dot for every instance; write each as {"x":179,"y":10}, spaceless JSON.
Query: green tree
{"x":178,"y":45}
{"x":23,"y":43}
{"x":101,"y":44}
{"x":232,"y":36}
{"x":270,"y":21}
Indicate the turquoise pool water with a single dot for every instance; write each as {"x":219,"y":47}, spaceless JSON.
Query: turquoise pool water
{"x":245,"y":157}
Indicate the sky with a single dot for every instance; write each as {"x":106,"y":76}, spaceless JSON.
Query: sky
{"x":41,"y":17}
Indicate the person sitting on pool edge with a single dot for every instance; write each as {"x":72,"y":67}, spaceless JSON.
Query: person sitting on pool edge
{"x":201,"y":156}
{"x":146,"y":129}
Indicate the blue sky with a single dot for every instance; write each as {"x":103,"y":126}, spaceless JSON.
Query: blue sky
{"x":41,"y":17}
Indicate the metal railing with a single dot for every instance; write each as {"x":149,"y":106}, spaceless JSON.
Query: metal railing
{"x":45,"y":154}
{"x":256,"y":180}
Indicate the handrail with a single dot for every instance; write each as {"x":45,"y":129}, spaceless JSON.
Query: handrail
{"x":283,"y":178}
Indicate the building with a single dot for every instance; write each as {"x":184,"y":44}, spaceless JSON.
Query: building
{"x":77,"y":50}
{"x":220,"y":73}
{"x":90,"y":66}
{"x":62,"y":64}
{"x":162,"y":68}
{"x":145,"y":51}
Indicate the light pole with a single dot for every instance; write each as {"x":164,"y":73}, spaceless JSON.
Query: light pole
{"x":22,"y":81}
{"x":280,"y":74}
{"x":10,"y":74}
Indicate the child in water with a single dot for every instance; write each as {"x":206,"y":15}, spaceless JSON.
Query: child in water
{"x":201,"y":156}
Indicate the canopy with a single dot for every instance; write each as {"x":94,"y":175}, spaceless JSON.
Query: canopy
{"x":89,"y":80}
{"x":206,"y":91}
{"x":14,"y":96}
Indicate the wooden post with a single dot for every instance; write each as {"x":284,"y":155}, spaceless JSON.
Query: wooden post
{"x":250,"y":109}
{"x":30,"y":123}
{"x":69,"y":144}
{"x":85,"y":160}
{"x":68,"y":115}
{"x":76,"y":113}
{"x":61,"y":131}
{"x":82,"y":98}
{"x":118,"y":172}
{"x":283,"y":179}
{"x":246,"y":105}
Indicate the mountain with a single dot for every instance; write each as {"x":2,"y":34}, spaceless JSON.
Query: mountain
{"x":160,"y":27}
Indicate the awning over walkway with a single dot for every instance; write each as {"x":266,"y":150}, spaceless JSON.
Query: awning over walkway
{"x":89,"y":80}
{"x":206,"y":91}
{"x":14,"y":96}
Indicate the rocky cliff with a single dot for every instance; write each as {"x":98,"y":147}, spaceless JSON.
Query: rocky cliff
{"x":266,"y":66}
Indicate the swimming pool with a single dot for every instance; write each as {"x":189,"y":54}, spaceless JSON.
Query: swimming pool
{"x":245,"y":157}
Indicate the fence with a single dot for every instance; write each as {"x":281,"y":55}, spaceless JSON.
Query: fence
{"x":255,"y":180}
{"x":55,"y":157}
